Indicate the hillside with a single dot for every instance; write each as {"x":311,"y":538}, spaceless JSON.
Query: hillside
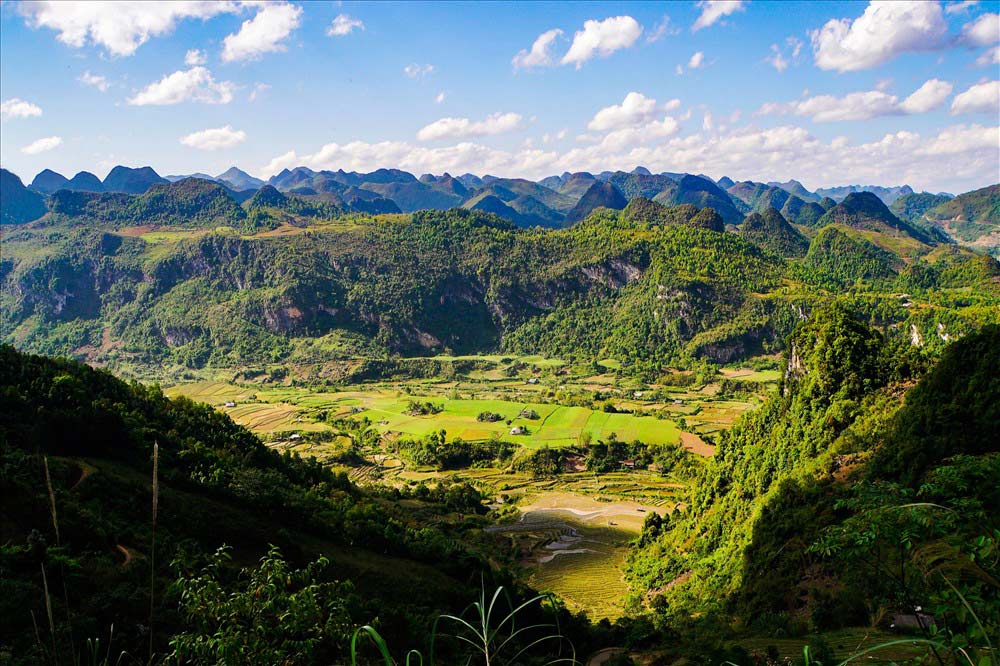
{"x":599,"y":195}
{"x":913,"y":207}
{"x":972,"y":219}
{"x":48,"y":181}
{"x":20,"y":204}
{"x":216,"y":483}
{"x":702,"y":193}
{"x":770,"y":230}
{"x":865,"y":211}
{"x":131,"y":181}
{"x":886,"y":194}
{"x":801,"y":519}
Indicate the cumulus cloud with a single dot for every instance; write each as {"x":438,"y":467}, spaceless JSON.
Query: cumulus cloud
{"x":94,"y":81}
{"x":984,"y":31}
{"x":540,"y":53}
{"x":18,"y":108}
{"x":264,"y":33}
{"x":713,"y":10}
{"x":885,"y":30}
{"x":602,"y":38}
{"x":980,"y":98}
{"x":635,"y":109}
{"x":192,"y":85}
{"x":463,"y":128}
{"x":214,"y":139}
{"x":863,"y":105}
{"x":195,"y":57}
{"x":927,"y":97}
{"x":119,"y":26}
{"x":344,"y":25}
{"x":42,"y":145}
{"x":415,"y":71}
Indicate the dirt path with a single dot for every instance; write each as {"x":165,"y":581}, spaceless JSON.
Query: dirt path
{"x":603,"y":656}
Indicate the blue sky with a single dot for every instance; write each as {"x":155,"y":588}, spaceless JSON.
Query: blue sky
{"x":827,"y":92}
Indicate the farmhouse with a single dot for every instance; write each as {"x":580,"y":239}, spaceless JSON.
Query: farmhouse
{"x":295,"y":437}
{"x":230,"y":404}
{"x":518,"y":430}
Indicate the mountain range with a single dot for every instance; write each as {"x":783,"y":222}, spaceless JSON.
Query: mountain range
{"x":552,"y":202}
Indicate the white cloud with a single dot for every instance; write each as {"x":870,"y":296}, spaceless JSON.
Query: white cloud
{"x":95,"y":81}
{"x":439,"y":97}
{"x":539,"y":55}
{"x":984,"y":31}
{"x":696,"y":61}
{"x":415,"y":71}
{"x":863,"y":105}
{"x":980,"y":98}
{"x":989,"y":57}
{"x":713,"y":10}
{"x":602,"y":38}
{"x":42,"y":145}
{"x":344,"y":25}
{"x":120,"y":26}
{"x":194,"y":85}
{"x":18,"y":108}
{"x":885,"y":30}
{"x":195,"y":57}
{"x":957,"y":7}
{"x":258,"y":90}
{"x":927,"y":97}
{"x":779,"y":59}
{"x":552,"y":137}
{"x":635,"y":109}
{"x":776,"y":59}
{"x":661,"y":30}
{"x":214,"y":139}
{"x":264,"y":33}
{"x":463,"y":128}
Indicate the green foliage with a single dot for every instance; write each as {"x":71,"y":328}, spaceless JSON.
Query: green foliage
{"x":837,"y":258}
{"x":268,"y":614}
{"x":217,"y":484}
{"x":953,"y":410}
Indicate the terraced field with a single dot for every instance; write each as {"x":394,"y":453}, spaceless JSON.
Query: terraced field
{"x":556,"y":425}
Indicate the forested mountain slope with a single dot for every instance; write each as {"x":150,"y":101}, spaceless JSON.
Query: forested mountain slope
{"x":284,"y":278}
{"x":848,"y":494}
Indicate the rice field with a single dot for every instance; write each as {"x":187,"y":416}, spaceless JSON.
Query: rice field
{"x":274,"y":409}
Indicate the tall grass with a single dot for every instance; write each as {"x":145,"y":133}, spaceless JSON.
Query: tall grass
{"x":489,"y":632}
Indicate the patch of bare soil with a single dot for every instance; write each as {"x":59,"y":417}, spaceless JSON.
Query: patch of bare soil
{"x":696,"y":444}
